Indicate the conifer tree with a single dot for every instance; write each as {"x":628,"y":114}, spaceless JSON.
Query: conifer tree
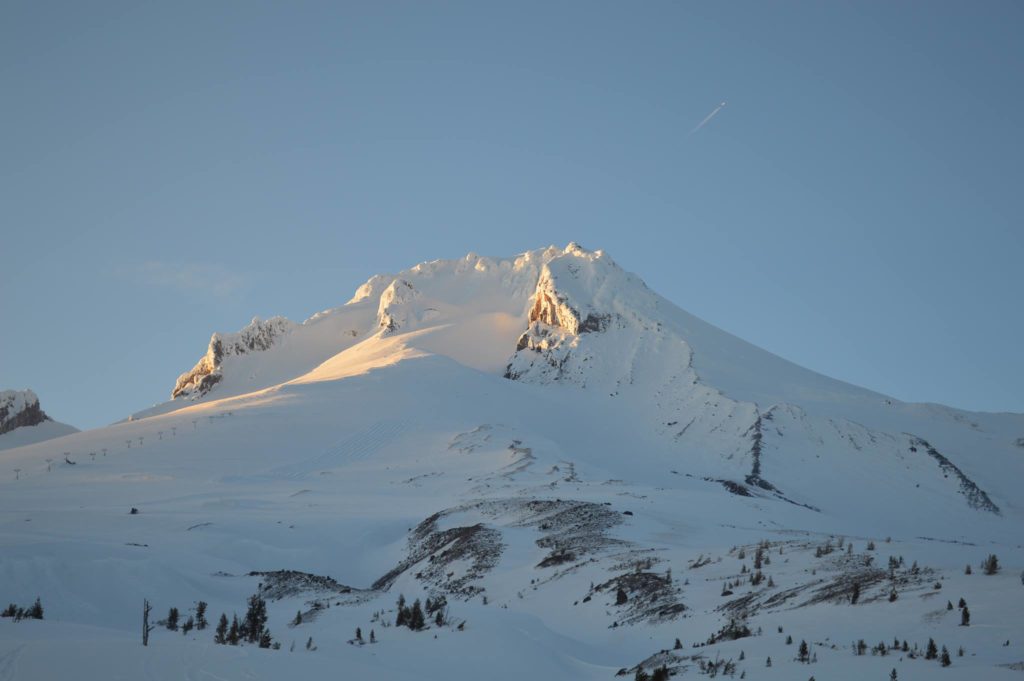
{"x":172,"y":619}
{"x":234,"y":633}
{"x":401,"y":619}
{"x":804,"y":653}
{"x":201,"y":615}
{"x":944,"y":658}
{"x":965,"y":617}
{"x":931,"y":652}
{"x":255,"y":619}
{"x":416,"y":619}
{"x":221,"y":633}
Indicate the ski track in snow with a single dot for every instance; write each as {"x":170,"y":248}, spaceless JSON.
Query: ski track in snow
{"x":9,"y":663}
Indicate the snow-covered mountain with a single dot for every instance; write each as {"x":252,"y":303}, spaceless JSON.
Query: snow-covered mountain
{"x":581,"y":470}
{"x":722,"y":407}
{"x":23,"y":421}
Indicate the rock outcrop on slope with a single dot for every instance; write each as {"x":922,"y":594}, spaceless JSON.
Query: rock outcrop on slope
{"x":258,"y":336}
{"x":23,"y":421}
{"x":19,"y":408}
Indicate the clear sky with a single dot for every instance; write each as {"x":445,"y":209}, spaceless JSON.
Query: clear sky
{"x":172,"y":169}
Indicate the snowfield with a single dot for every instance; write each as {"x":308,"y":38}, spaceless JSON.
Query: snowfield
{"x":584,"y":472}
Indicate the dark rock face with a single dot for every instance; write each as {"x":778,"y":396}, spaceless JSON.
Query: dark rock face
{"x":29,"y":415}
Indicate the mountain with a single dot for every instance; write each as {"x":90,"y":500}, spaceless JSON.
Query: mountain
{"x":23,"y":422}
{"x":572,"y":469}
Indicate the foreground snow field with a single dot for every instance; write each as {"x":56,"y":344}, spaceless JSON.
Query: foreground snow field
{"x":579,"y":468}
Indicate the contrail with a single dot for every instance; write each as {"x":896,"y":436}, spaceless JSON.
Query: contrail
{"x":708,"y":118}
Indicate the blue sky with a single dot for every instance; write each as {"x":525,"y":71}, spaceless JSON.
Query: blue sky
{"x":172,"y":169}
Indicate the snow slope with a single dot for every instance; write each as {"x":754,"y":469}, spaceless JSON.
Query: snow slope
{"x":526,"y":437}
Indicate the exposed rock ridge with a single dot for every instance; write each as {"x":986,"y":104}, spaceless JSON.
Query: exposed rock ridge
{"x":258,"y":336}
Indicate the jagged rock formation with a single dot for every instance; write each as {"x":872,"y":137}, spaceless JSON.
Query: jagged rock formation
{"x":258,"y":336}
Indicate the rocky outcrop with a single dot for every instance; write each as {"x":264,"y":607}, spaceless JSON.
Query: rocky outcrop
{"x":258,"y":336}
{"x":19,"y":408}
{"x":556,"y":319}
{"x":393,"y":311}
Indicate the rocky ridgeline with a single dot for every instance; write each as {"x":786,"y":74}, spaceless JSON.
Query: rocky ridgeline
{"x":258,"y":336}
